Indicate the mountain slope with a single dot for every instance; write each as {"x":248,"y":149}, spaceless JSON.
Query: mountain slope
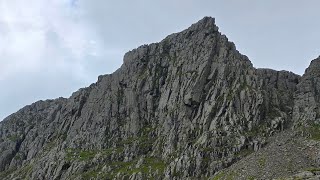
{"x":293,"y":153}
{"x":184,"y":108}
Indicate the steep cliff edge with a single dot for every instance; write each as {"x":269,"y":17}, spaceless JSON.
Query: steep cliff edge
{"x":307,"y":97}
{"x":186,"y":107}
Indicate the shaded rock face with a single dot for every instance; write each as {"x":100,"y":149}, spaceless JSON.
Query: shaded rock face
{"x":307,"y":97}
{"x":185,"y":107}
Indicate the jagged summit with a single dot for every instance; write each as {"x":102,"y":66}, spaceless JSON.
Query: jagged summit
{"x":203,"y":33}
{"x":204,"y":27}
{"x":314,"y":67}
{"x":205,"y":23}
{"x":186,"y":107}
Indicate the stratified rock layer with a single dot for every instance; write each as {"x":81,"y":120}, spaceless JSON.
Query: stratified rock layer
{"x":186,"y":107}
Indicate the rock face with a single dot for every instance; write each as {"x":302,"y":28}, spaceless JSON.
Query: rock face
{"x":184,"y":108}
{"x":307,"y":98}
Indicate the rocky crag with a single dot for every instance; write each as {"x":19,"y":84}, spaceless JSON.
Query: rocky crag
{"x":188,"y":107}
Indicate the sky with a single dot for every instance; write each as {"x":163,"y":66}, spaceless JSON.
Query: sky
{"x":51,"y":48}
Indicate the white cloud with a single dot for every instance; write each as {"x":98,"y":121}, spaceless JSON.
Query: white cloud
{"x":39,"y":34}
{"x":45,"y":51}
{"x":50,"y":48}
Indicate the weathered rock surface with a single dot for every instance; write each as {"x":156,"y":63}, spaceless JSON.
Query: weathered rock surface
{"x":307,"y":97}
{"x":286,"y":156}
{"x":184,"y":108}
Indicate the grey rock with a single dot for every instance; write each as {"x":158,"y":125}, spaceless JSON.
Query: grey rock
{"x":184,"y":108}
{"x":304,"y":175}
{"x":306,"y":109}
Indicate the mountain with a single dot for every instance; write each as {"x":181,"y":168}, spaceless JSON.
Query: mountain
{"x":188,"y":107}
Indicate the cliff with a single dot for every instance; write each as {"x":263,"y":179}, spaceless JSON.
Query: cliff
{"x":184,"y":108}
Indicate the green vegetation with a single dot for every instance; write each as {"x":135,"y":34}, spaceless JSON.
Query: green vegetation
{"x":231,"y":175}
{"x":63,"y":136}
{"x":219,"y":176}
{"x":25,"y":171}
{"x":262,"y":162}
{"x":149,"y":164}
{"x":176,"y":173}
{"x":89,"y":175}
{"x":107,"y":152}
{"x":290,"y":165}
{"x":85,"y":155}
{"x":230,"y":96}
{"x":146,"y":130}
{"x":21,"y":173}
{"x":73,"y":154}
{"x":225,"y":175}
{"x":313,"y":170}
{"x":257,"y":130}
{"x":6,"y":173}
{"x":14,"y":138}
{"x":244,"y":152}
{"x":127,"y":141}
{"x":314,"y":131}
{"x":244,"y":85}
{"x":18,"y":156}
{"x":155,"y":164}
{"x":144,"y":142}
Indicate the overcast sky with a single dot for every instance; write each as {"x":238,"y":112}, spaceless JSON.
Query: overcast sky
{"x":51,"y":48}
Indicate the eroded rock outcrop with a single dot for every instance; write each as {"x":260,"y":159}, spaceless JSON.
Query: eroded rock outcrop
{"x":307,"y":97}
{"x":185,"y":107}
